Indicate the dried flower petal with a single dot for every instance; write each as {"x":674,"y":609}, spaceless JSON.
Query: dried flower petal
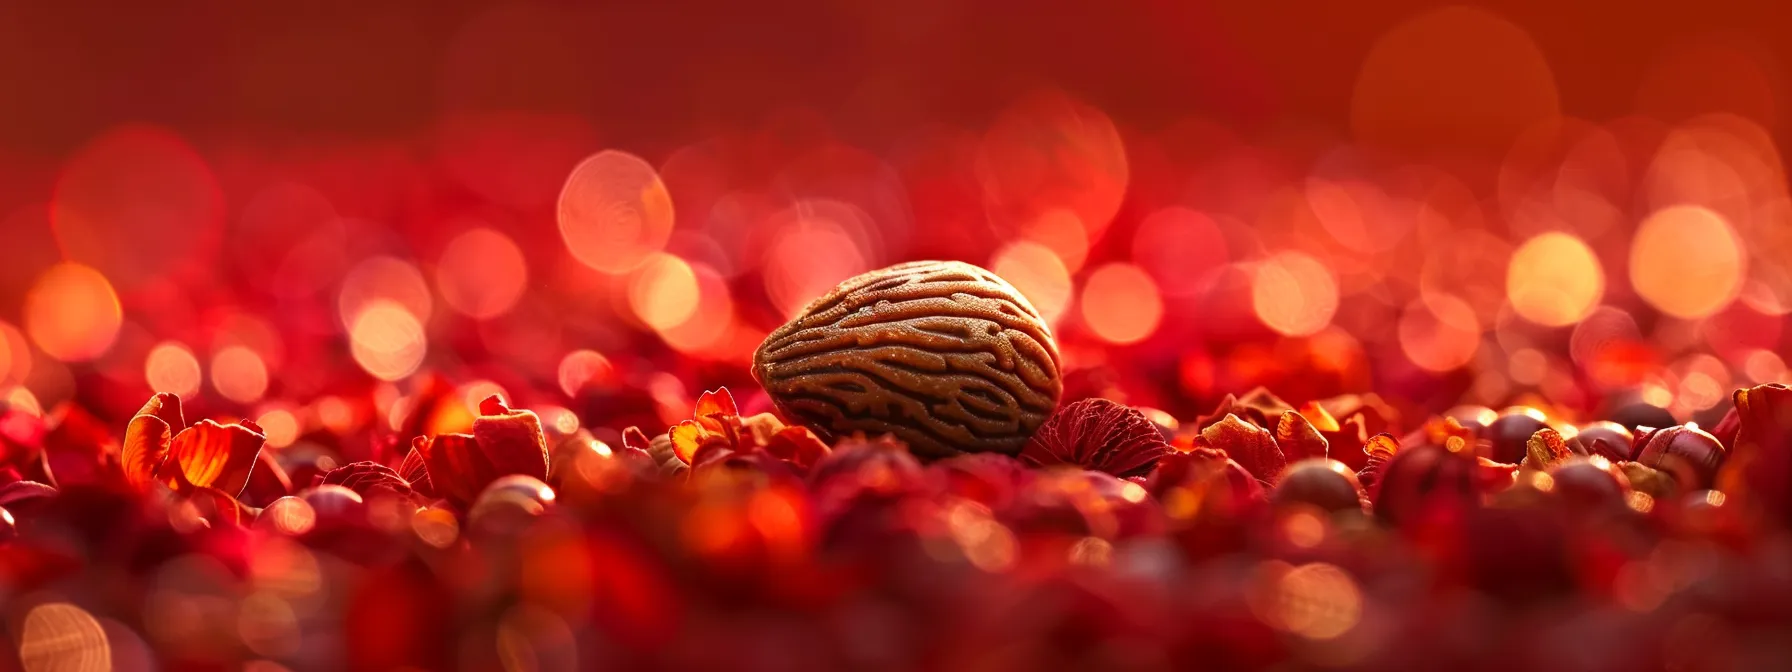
{"x":715,"y":410}
{"x":504,"y":442}
{"x":18,"y":492}
{"x":367,"y":479}
{"x":211,"y":455}
{"x":267,"y":482}
{"x":1100,"y":435}
{"x":1263,"y":407}
{"x":1298,"y":438}
{"x":458,"y":469}
{"x":1545,"y":450}
{"x":413,"y":471}
{"x":1380,"y":450}
{"x":1251,"y":446}
{"x":148,"y":436}
{"x":798,"y":446}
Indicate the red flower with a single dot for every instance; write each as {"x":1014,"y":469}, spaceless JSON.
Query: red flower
{"x":503,"y":442}
{"x":160,"y":447}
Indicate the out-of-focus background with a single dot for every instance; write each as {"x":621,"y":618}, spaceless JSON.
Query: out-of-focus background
{"x":269,"y":207}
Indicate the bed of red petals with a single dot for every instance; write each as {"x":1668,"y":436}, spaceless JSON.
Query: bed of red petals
{"x":1260,"y":535}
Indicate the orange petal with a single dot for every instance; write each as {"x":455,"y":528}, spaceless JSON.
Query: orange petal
{"x":761,"y":428}
{"x":217,"y":456}
{"x":146,"y":441}
{"x":687,"y":437}
{"x":716,"y":411}
{"x":633,"y":437}
{"x":1249,"y":445}
{"x":218,"y":506}
{"x":1383,"y":443}
{"x":1298,"y":438}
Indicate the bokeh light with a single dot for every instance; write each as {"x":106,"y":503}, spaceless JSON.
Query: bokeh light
{"x":1439,"y":332}
{"x":1120,"y":303}
{"x":172,"y":367}
{"x":60,"y":637}
{"x":72,"y":313}
{"x":663,"y":292}
{"x":614,"y":212}
{"x":1179,"y":247}
{"x":384,"y":278}
{"x":808,"y":256}
{"x":482,"y":273}
{"x":1038,"y":273}
{"x":580,"y":369}
{"x":1293,"y":293}
{"x":1554,"y":280}
{"x":1686,"y":262}
{"x":387,"y":340}
{"x":137,"y":203}
{"x":239,"y":374}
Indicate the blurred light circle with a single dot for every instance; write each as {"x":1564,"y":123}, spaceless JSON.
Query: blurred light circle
{"x":1179,"y":246}
{"x":1355,"y":213}
{"x":387,"y":340}
{"x":172,"y":367}
{"x":136,"y":203}
{"x":712,"y":321}
{"x":663,"y":292}
{"x":1120,"y":304}
{"x":279,"y":425}
{"x":1452,"y":78}
{"x":1294,"y":294}
{"x":585,"y":368}
{"x":1063,"y":233}
{"x":384,"y":278}
{"x":614,"y":212}
{"x":1038,"y":273}
{"x":239,"y":374}
{"x":1439,"y":332}
{"x":1764,"y":366}
{"x":482,"y":273}
{"x":1049,"y":151}
{"x":62,"y":637}
{"x":806,"y":259}
{"x":1554,"y":280}
{"x":1685,"y":261}
{"x":71,"y":313}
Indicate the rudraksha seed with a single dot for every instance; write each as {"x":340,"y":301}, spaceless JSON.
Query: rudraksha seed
{"x":944,"y":355}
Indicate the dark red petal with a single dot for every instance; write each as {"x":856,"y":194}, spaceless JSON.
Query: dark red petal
{"x":1100,"y":435}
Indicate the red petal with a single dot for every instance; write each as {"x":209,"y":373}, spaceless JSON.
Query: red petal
{"x":267,"y":482}
{"x":80,"y":450}
{"x":1298,"y":438}
{"x":513,"y":444}
{"x":457,"y":467}
{"x":716,"y":411}
{"x":1100,"y":435}
{"x":211,"y":455}
{"x":148,"y":437}
{"x":218,"y":506}
{"x":798,"y":446}
{"x":15,"y":492}
{"x":413,"y":472}
{"x":1250,"y":446}
{"x":633,"y":437}
{"x":367,"y":479}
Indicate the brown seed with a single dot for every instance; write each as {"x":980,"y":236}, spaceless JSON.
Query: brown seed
{"x":944,"y":355}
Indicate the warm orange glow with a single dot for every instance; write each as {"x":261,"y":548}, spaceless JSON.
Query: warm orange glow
{"x":711,"y":323}
{"x":1439,"y":333}
{"x":279,"y":425}
{"x":1685,"y":261}
{"x":1120,"y":304}
{"x":1179,"y":246}
{"x":808,"y":257}
{"x":137,"y":203}
{"x":72,"y":314}
{"x":15,"y":354}
{"x":1294,"y":294}
{"x":171,"y":367}
{"x":1048,"y":152}
{"x":1455,"y":77}
{"x":384,"y":279}
{"x":482,"y":273}
{"x":387,"y":340}
{"x":1317,"y":600}
{"x":663,"y":292}
{"x":582,"y":368}
{"x":239,"y":374}
{"x":61,"y":636}
{"x":614,"y":212}
{"x":1038,"y":273}
{"x":1554,"y":280}
{"x":1060,"y":231}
